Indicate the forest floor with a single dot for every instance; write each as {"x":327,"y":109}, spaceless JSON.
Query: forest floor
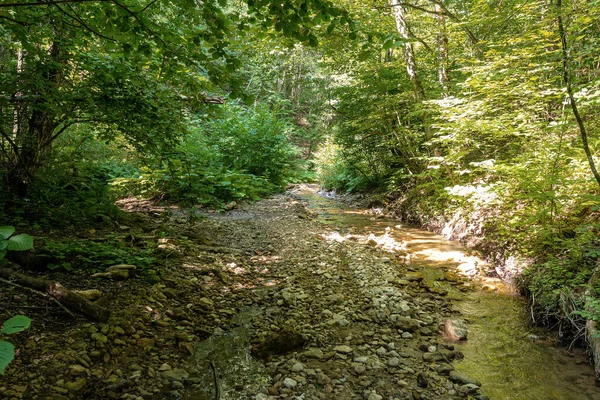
{"x":323,"y":318}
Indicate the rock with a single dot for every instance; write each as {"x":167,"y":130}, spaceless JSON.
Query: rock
{"x":78,"y":369}
{"x":343,"y":349}
{"x":99,"y":337}
{"x":230,"y":206}
{"x":374,"y":396}
{"x":313,"y":353}
{"x":413,"y":277}
{"x":164,"y":367}
{"x":117,"y":275}
{"x":432,"y":357}
{"x":455,"y":329}
{"x":467,"y":389}
{"x":297,"y":367}
{"x":393,"y":362}
{"x":444,"y":369}
{"x":289,"y":383}
{"x":127,"y":267}
{"x":462,"y":378}
{"x":206,"y":304}
{"x":362,"y":359}
{"x":279,"y":343}
{"x":76,"y":385}
{"x":422,"y":380}
{"x":406,"y":324}
{"x":177,"y":374}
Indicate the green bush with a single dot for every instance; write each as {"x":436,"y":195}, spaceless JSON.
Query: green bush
{"x":238,"y":154}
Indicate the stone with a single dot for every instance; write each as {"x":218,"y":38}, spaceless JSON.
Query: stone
{"x":343,"y":349}
{"x":177,"y":374}
{"x":76,"y":386}
{"x":78,"y":369}
{"x":462,"y":378}
{"x":455,"y":329}
{"x":297,"y":367}
{"x":406,"y":324}
{"x":393,"y":362}
{"x":164,"y":367}
{"x":422,"y":380}
{"x":313,"y":353}
{"x":99,"y":337}
{"x":205,"y":303}
{"x":290,"y":383}
{"x":374,"y":396}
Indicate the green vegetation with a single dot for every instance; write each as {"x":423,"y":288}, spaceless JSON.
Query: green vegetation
{"x":16,"y":324}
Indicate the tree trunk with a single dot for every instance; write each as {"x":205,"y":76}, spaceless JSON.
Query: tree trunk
{"x":442,"y":39}
{"x":409,"y":55}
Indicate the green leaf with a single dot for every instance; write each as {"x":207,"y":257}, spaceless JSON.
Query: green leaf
{"x":3,"y":244}
{"x":6,"y":231}
{"x":7,"y":354}
{"x":364,"y":55}
{"x":18,"y":323}
{"x":20,"y":242}
{"x":2,"y":254}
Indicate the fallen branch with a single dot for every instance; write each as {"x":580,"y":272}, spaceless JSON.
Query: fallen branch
{"x":63,"y":296}
{"x":39,"y":293}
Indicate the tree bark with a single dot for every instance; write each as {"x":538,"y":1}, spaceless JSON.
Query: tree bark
{"x":409,"y":54}
{"x":442,"y":39}
{"x":57,"y":291}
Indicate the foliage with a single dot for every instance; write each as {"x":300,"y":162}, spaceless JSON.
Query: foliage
{"x":243,"y":153}
{"x":16,"y":324}
{"x":11,"y":242}
{"x":72,"y":254}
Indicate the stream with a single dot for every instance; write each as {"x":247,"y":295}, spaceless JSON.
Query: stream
{"x":512,"y":359}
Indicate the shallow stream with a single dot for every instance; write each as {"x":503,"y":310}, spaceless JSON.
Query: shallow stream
{"x":512,"y":359}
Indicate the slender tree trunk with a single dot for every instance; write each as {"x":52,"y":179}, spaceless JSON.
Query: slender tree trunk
{"x":567,"y":80}
{"x":409,"y":55}
{"x":442,"y":39}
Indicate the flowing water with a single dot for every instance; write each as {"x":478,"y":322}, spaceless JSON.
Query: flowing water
{"x":512,"y":359}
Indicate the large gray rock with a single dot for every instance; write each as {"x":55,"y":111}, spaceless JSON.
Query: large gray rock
{"x":455,"y":329}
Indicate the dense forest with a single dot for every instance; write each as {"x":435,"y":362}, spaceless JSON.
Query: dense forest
{"x":474,"y":119}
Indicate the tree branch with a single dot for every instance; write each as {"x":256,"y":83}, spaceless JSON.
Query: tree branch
{"x":565,"y":64}
{"x":22,"y":23}
{"x":77,"y":18}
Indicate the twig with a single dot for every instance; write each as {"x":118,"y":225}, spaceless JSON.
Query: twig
{"x":217,"y":389}
{"x":41,"y":294}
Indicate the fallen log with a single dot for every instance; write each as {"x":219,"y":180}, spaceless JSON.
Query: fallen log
{"x":61,"y":294}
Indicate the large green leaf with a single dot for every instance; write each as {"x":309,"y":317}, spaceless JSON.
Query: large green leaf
{"x":20,"y":242}
{"x":18,"y":323}
{"x":2,"y":254}
{"x":3,"y":244}
{"x":6,"y":231}
{"x":7,"y":354}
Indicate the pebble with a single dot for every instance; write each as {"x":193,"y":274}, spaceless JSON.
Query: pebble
{"x":289,"y":383}
{"x":343,"y":349}
{"x":297,"y":367}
